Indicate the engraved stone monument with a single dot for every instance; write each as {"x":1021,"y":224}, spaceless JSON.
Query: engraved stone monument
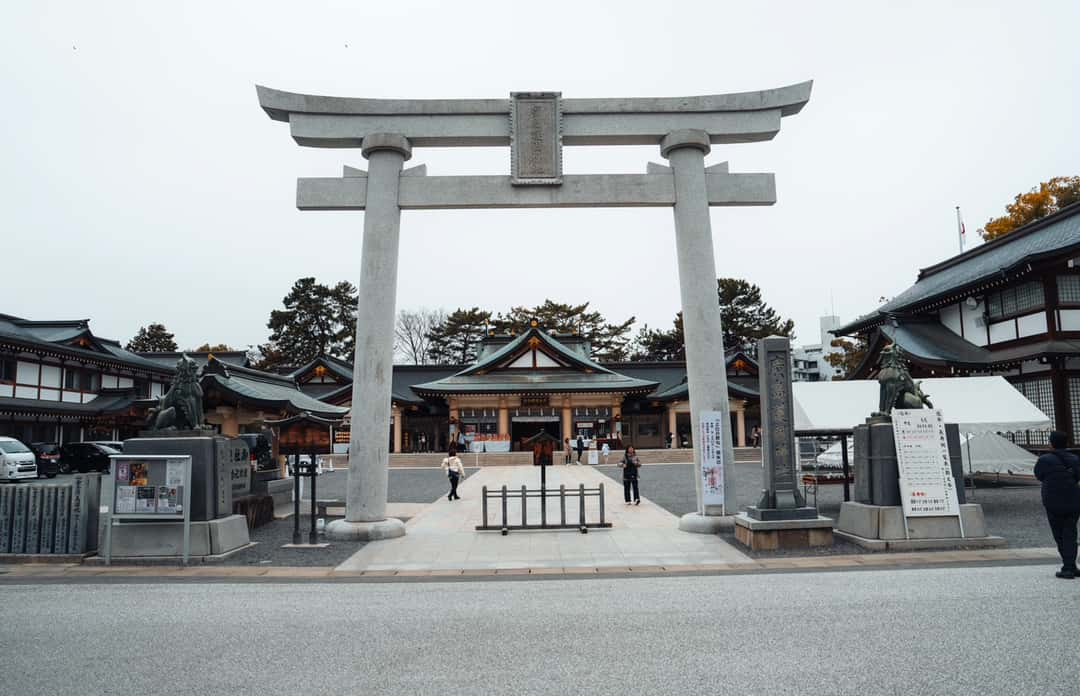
{"x":781,"y":518}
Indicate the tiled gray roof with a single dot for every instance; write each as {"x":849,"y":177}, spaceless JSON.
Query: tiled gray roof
{"x":1053,"y":234}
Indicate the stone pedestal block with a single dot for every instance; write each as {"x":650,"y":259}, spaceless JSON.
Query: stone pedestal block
{"x":877,"y":474}
{"x":344,"y":530}
{"x":156,"y":539}
{"x":881,"y":527}
{"x":783,"y":534}
{"x":696,"y":523}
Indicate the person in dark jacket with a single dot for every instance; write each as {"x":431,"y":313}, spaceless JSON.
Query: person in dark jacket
{"x":1059,"y":471}
{"x":580,"y":448}
{"x":630,"y":465}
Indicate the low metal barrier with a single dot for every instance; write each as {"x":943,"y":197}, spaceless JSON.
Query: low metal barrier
{"x":503,"y":496}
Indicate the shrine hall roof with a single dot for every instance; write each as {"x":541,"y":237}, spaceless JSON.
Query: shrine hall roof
{"x":1002,"y":259}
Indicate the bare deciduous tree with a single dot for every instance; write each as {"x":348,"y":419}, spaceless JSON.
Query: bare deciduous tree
{"x":411,"y":333}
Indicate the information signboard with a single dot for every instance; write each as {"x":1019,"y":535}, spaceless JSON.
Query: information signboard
{"x":927,"y":486}
{"x":149,"y":487}
{"x":712,"y":458}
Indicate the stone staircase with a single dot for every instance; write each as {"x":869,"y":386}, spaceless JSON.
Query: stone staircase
{"x":648,"y":456}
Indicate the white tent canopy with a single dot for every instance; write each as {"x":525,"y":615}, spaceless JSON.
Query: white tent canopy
{"x":975,"y":404}
{"x":982,"y":453}
{"x":988,"y":453}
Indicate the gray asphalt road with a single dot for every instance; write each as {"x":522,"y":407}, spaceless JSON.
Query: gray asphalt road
{"x":935,"y":631}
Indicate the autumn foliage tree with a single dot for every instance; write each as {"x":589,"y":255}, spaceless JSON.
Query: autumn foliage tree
{"x":1048,"y":197}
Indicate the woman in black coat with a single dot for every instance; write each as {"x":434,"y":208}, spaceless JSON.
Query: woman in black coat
{"x":630,"y":465}
{"x":1059,"y":471}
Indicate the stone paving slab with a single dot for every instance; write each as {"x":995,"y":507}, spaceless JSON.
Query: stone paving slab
{"x":444,"y":537}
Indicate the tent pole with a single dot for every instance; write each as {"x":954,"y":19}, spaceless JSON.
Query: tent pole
{"x":844,"y":461}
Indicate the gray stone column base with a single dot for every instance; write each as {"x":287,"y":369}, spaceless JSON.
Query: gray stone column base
{"x":696,"y":523}
{"x":343,"y":530}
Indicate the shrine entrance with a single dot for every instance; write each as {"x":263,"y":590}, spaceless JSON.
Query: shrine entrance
{"x":524,"y":428}
{"x":536,"y":126}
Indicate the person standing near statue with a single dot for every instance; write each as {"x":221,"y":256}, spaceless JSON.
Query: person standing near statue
{"x":630,"y":465}
{"x":1059,"y":472}
{"x":455,"y":471}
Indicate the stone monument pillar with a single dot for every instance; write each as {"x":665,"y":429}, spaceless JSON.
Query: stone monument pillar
{"x":781,"y":518}
{"x":369,"y":458}
{"x":705,"y":368}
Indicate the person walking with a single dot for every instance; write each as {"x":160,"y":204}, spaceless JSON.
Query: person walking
{"x":461,"y":441}
{"x":755,"y":436}
{"x":605,"y":451}
{"x":1059,"y":472}
{"x":568,"y":449}
{"x":455,"y":471}
{"x":630,"y":465}
{"x":580,"y":448}
{"x":423,"y":442}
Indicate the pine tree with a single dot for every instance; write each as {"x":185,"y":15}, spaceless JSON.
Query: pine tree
{"x":152,"y":338}
{"x":455,"y":341}
{"x":317,"y":320}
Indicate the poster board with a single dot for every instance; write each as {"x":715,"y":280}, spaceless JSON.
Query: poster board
{"x":711,"y":429}
{"x":927,"y":487}
{"x":149,"y":487}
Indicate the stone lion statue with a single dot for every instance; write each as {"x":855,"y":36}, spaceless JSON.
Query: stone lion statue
{"x":181,"y":407}
{"x":898,"y":389}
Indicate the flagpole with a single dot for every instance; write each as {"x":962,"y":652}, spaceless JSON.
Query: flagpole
{"x":960,"y":229}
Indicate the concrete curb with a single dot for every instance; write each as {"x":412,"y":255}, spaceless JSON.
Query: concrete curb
{"x":20,"y":574}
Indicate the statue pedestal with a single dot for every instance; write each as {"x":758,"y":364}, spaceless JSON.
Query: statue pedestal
{"x":881,"y":528}
{"x":770,"y":535}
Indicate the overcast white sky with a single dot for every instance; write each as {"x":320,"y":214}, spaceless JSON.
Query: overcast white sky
{"x":140,"y":181}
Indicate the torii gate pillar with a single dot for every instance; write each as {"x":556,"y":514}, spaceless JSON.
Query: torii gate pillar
{"x":686,"y":150}
{"x":369,"y":458}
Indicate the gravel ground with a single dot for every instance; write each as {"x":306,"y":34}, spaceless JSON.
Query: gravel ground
{"x":1015,"y":513}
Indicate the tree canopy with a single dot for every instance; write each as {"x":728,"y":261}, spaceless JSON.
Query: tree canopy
{"x":152,"y":338}
{"x":850,"y":356}
{"x":212,"y":348}
{"x":412,"y":333}
{"x":610,"y":341}
{"x":1046,"y":198}
{"x":455,"y":341}
{"x":317,"y":320}
{"x":746,"y":317}
{"x":657,"y":345}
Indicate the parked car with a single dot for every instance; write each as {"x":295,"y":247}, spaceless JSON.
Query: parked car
{"x":48,"y":458}
{"x":118,"y":446}
{"x":84,"y":456}
{"x":262,"y":453}
{"x":17,"y":461}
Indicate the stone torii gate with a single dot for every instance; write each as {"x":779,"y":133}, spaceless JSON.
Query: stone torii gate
{"x":536,"y":126}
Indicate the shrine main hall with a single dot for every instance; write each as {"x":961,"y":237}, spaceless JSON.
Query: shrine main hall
{"x":534,"y":382}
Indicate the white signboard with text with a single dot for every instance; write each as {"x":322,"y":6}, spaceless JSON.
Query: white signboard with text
{"x":927,"y":486}
{"x":712,"y":458}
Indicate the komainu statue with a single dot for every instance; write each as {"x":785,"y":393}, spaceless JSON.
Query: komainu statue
{"x":898,"y":390}
{"x":181,"y":407}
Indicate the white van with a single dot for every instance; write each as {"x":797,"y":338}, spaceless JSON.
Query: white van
{"x":16,"y":460}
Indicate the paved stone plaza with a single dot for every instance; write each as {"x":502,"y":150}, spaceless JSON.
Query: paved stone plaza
{"x":443,"y":536}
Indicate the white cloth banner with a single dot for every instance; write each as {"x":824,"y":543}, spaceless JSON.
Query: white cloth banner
{"x":927,"y":486}
{"x":712,"y":458}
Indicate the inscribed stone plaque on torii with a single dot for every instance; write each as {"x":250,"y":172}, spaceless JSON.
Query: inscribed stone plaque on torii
{"x":535,"y":138}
